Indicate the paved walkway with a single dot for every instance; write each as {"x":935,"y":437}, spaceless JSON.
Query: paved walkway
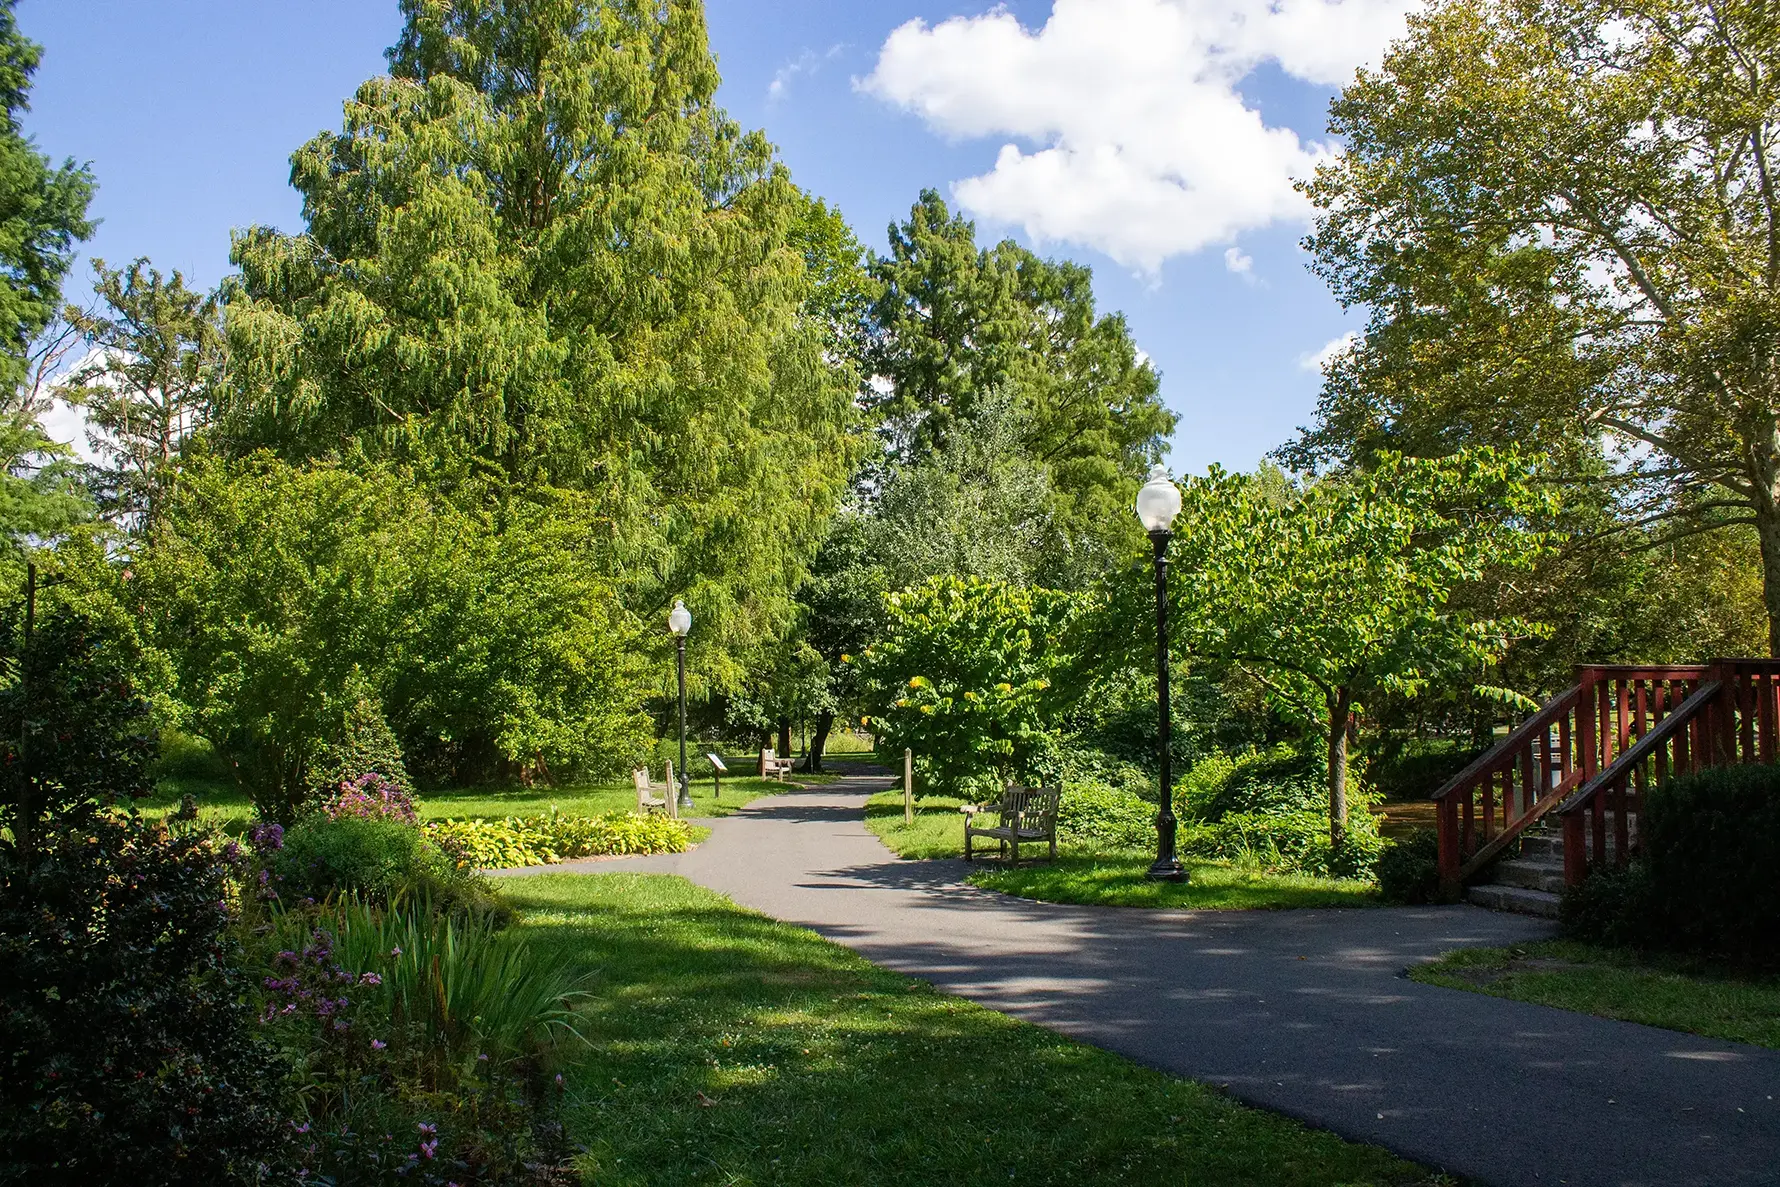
{"x":1303,"y":1012}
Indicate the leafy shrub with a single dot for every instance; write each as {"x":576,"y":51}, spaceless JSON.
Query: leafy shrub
{"x":1417,"y":769}
{"x":363,"y":745}
{"x":966,"y":674}
{"x":1712,"y":845}
{"x":379,"y":859}
{"x":420,"y":1042}
{"x":370,"y":797}
{"x":1257,"y":782}
{"x":185,"y":756}
{"x":520,"y":841}
{"x":128,"y":1054}
{"x":1613,"y":906}
{"x":1296,"y":842}
{"x":1096,"y":812}
{"x":1409,"y":869}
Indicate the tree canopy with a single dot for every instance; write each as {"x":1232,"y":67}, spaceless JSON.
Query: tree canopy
{"x":1562,"y":219}
{"x":539,"y":255}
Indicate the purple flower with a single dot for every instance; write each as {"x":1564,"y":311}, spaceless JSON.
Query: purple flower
{"x":370,"y":979}
{"x":429,"y":1148}
{"x":266,"y":837}
{"x":379,"y":1044}
{"x":395,"y":951}
{"x":428,"y":1131}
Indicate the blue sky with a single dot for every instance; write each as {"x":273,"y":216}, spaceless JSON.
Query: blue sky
{"x":1150,"y":139}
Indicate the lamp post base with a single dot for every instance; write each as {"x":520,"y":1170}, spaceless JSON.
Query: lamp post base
{"x":1167,"y":870}
{"x":686,"y":804}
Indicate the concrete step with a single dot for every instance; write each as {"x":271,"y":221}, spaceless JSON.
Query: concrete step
{"x":1533,"y":873}
{"x":1519,"y":899}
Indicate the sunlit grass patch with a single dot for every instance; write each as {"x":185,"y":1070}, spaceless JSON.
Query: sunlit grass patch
{"x":730,"y":1048}
{"x":1104,"y":877}
{"x":1673,"y":993}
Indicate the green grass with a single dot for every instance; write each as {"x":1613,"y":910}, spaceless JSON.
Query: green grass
{"x":1106,"y":877}
{"x":228,"y":807}
{"x":1668,"y":992}
{"x":733,"y":1049}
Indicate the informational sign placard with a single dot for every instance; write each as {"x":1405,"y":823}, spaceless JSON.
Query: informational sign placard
{"x":716,"y":762}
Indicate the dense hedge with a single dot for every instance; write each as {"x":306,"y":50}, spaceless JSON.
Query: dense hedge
{"x":541,"y":840}
{"x":1712,"y":847}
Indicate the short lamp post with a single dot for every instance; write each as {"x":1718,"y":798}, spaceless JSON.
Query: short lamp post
{"x":680,"y":622}
{"x":1157,"y":505}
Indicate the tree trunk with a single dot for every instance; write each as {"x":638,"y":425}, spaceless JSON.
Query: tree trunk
{"x":819,"y":742}
{"x":1339,"y":708}
{"x":784,"y":750}
{"x":1767,"y":530}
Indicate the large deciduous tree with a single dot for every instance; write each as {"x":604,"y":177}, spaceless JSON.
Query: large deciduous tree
{"x":1344,"y":588}
{"x":1564,"y":219}
{"x":538,"y":254}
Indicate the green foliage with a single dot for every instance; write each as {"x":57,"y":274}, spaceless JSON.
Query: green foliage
{"x":363,"y":745}
{"x":1560,"y":217}
{"x":957,"y":330}
{"x":1712,"y":844}
{"x":129,"y":1051}
{"x":415,"y":1045}
{"x":382,"y":861}
{"x":1289,"y":841}
{"x":520,"y":841}
{"x":74,"y":725}
{"x":43,"y":208}
{"x":1283,"y":779}
{"x":1106,"y":816}
{"x":290,"y":595}
{"x":565,"y":267}
{"x":1613,"y":905}
{"x":971,"y":676}
{"x":1409,"y":870}
{"x":152,"y":382}
{"x":1344,"y":587}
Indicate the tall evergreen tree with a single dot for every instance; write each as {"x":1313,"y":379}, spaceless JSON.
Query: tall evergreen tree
{"x":151,"y":380}
{"x":539,"y":255}
{"x":955,"y":328}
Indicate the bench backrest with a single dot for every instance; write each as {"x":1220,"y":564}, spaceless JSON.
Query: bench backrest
{"x":1030,"y":807}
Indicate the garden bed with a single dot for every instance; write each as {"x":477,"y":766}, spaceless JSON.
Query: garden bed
{"x":736,"y":1049}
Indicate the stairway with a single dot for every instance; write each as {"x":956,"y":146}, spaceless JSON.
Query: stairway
{"x":1533,"y":882}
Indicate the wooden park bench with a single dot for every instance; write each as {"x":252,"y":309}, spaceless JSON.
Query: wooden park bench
{"x":774,"y":767}
{"x":647,"y":801}
{"x":1026,"y":814}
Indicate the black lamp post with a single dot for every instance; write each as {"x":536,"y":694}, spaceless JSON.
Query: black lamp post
{"x":1157,"y":505}
{"x":680,"y":622}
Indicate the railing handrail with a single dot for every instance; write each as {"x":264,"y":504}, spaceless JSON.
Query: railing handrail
{"x":1484,"y":764}
{"x":1645,"y":746}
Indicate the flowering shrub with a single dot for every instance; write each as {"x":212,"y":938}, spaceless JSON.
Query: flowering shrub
{"x":370,"y":797}
{"x":126,"y":1052}
{"x":542,"y":840}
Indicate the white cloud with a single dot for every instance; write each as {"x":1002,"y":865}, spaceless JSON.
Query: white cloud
{"x":1136,"y":140}
{"x":1239,"y":262}
{"x":807,"y":62}
{"x":1333,"y":349}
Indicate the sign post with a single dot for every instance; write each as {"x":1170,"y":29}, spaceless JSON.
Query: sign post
{"x":717,"y":772}
{"x":908,"y":788}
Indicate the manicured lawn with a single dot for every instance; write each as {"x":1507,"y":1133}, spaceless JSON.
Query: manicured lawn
{"x":228,"y":807}
{"x":1654,"y":990}
{"x":733,"y":1049}
{"x":1106,"y":877}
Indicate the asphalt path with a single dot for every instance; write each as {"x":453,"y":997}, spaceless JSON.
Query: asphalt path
{"x":1304,"y":1012}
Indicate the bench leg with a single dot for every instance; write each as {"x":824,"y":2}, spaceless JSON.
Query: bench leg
{"x":1053,"y":846}
{"x":1016,"y":851}
{"x":966,"y":842}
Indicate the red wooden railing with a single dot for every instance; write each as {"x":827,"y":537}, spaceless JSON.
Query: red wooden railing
{"x":1551,"y":758}
{"x":1731,"y":715}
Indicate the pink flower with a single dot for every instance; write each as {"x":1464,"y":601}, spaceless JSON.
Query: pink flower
{"x":378,"y":1044}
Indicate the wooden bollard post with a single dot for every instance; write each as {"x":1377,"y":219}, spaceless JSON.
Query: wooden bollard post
{"x":908,"y":788}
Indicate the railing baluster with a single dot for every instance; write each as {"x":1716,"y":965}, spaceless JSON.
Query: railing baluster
{"x":1746,"y":719}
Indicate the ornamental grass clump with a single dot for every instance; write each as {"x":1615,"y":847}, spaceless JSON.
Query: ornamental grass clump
{"x":520,"y":841}
{"x":418,"y":1045}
